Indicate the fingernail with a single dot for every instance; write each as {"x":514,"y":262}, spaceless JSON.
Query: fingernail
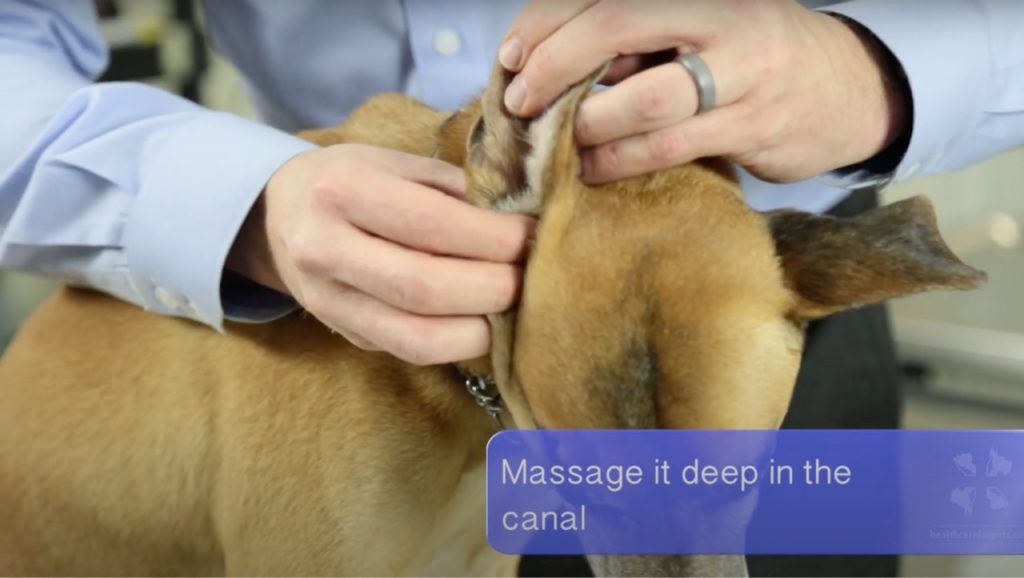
{"x":515,"y":94}
{"x":511,"y":53}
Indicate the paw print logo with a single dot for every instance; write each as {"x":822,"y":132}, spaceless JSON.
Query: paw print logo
{"x":965,"y":463}
{"x":997,"y":465}
{"x":965,"y":497}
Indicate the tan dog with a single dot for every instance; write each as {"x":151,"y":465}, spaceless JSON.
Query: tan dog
{"x":137,"y":445}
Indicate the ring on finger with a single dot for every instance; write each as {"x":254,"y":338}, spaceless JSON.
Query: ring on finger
{"x":707,"y":93}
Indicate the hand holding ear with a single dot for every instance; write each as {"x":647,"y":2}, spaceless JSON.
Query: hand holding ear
{"x":800,"y":93}
{"x":378,"y":245}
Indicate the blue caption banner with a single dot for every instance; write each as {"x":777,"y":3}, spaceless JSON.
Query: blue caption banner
{"x":756,"y":492}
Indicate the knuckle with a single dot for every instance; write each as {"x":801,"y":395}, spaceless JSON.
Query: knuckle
{"x":305,"y":253}
{"x":425,"y":231}
{"x":543,"y":61}
{"x":654,"y":101}
{"x":666,"y":147}
{"x":607,"y":160}
{"x":317,"y":302}
{"x":328,"y":192}
{"x":416,"y":292}
{"x":417,"y":345}
{"x":335,"y":186}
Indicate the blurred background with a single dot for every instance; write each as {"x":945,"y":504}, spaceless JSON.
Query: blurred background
{"x":962,"y":353}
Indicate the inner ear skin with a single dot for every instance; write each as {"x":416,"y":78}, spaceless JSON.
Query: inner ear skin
{"x":476,"y":136}
{"x":474,"y":153}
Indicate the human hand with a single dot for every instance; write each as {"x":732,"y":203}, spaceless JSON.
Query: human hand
{"x":800,"y":93}
{"x":378,"y":245}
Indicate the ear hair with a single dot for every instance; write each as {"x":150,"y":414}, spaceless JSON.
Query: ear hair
{"x":511,"y":160}
{"x":834,"y":264}
{"x":553,"y":138}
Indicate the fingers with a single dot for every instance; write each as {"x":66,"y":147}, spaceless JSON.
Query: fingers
{"x":718,"y":133}
{"x":412,"y":338}
{"x":347,"y":227}
{"x":422,"y":218}
{"x":414,"y":281}
{"x":650,"y":100}
{"x":600,"y":33}
{"x":548,"y":72}
{"x":430,"y":172}
{"x":653,"y":99}
{"x":537,"y":21}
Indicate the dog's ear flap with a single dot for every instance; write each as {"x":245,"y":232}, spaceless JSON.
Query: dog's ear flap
{"x":497,"y":145}
{"x":833,"y":264}
{"x":513,"y":162}
{"x":553,"y":136}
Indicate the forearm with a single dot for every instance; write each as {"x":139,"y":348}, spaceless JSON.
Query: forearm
{"x":121,"y":187}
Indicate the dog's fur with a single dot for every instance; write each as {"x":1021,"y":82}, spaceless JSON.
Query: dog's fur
{"x":137,"y":445}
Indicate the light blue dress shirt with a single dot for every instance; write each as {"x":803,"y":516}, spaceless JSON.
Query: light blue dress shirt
{"x":136,"y":192}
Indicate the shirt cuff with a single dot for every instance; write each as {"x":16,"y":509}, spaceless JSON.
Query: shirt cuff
{"x":198,"y":187}
{"x":248,"y":302}
{"x":943,"y":49}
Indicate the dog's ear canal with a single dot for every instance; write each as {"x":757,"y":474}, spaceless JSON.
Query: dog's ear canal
{"x":833,"y":264}
{"x":515,"y":161}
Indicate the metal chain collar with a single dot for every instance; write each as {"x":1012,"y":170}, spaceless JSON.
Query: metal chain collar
{"x":485,"y":394}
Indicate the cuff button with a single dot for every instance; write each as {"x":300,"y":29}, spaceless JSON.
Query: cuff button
{"x":167,"y":299}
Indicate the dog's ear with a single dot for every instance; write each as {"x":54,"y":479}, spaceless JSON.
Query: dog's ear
{"x":511,"y":162}
{"x":833,"y":264}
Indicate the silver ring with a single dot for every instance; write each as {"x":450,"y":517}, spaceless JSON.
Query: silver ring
{"x":707,"y":94}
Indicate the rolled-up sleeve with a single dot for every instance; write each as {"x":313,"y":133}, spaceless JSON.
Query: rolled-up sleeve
{"x":964,"y":62}
{"x":121,"y":187}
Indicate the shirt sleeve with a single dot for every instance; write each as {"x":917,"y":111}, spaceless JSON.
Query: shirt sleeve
{"x":121,"y":187}
{"x":964,"y":62}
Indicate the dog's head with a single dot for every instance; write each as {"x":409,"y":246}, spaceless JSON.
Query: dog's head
{"x":665,"y":301}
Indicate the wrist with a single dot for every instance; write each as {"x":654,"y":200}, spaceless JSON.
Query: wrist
{"x":884,"y":98}
{"x":250,"y":255}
